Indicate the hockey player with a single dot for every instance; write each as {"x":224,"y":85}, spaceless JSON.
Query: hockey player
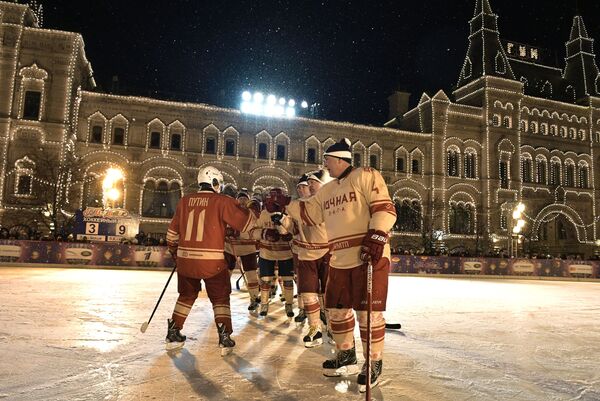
{"x":358,"y":214}
{"x":244,"y":247}
{"x":303,"y":192}
{"x":274,"y":248}
{"x":313,"y":263}
{"x":195,"y":238}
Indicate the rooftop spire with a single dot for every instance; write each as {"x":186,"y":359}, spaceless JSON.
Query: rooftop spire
{"x":482,"y":7}
{"x":578,"y":29}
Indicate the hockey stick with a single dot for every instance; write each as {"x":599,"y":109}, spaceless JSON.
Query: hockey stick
{"x":145,"y":324}
{"x":393,"y":326}
{"x":369,"y":307}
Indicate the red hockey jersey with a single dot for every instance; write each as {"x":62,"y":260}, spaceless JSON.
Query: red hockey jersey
{"x":197,"y":231}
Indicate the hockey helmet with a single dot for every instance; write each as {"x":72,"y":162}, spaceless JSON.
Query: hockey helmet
{"x":276,"y":200}
{"x":212,"y":176}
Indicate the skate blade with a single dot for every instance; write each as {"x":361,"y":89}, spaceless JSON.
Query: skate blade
{"x":172,"y":346}
{"x":347,"y":370}
{"x":226,"y":351}
{"x":362,"y":388}
{"x":312,"y":344}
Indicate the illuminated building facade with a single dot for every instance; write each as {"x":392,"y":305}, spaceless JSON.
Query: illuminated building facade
{"x":513,"y":130}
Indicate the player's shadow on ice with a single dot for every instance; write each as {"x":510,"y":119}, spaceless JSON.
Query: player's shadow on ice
{"x":253,"y":375}
{"x":186,"y":363}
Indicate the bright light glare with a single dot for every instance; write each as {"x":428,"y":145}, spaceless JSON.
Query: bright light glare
{"x":271,"y":99}
{"x":516,"y":229}
{"x":304,"y":104}
{"x":268,"y":105}
{"x":111,"y":177}
{"x":258,"y":97}
{"x":292,"y":103}
{"x":290,"y":112}
{"x":516,"y":214}
{"x":521,"y":207}
{"x":113,"y":194}
{"x":246,"y":96}
{"x":282,"y":101}
{"x":521,"y":223}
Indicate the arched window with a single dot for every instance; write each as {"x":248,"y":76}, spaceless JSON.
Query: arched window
{"x":92,"y":191}
{"x":373,"y":161}
{"x":526,"y":169}
{"x":553,"y":130}
{"x":262,"y":150}
{"x":507,"y":122}
{"x":400,"y":164}
{"x":155,"y":140}
{"x":555,"y":172}
{"x":175,"y":141}
{"x":160,"y":200}
{"x":416,"y":168}
{"x":210,"y":145}
{"x":540,"y":171}
{"x":97,"y":131}
{"x":118,"y":136}
{"x":280,"y":152}
{"x":544,"y":129}
{"x":230,"y":147}
{"x":357,"y":160}
{"x":408,"y":216}
{"x":569,"y":175}
{"x":583,"y":171}
{"x":311,"y":155}
{"x":496,"y":120}
{"x":563,"y":132}
{"x":470,"y":165}
{"x":461,"y":219}
{"x":503,"y":174}
{"x":24,"y":169}
{"x":453,"y":168}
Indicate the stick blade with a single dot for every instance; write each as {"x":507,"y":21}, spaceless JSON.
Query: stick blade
{"x":393,"y":326}
{"x":144,"y":327}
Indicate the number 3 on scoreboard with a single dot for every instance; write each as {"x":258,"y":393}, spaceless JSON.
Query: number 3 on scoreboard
{"x":91,"y":228}
{"x":190,"y":225}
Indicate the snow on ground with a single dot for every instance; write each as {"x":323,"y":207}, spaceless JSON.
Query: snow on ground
{"x":69,"y":334}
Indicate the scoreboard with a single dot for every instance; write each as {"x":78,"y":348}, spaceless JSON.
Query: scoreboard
{"x":96,"y":224}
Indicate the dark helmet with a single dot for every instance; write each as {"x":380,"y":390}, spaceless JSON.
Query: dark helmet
{"x":276,"y":200}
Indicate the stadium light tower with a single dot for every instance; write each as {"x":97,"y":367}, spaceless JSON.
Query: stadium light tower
{"x":269,"y":106}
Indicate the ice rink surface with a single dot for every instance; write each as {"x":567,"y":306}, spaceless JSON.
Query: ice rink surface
{"x":69,"y":334}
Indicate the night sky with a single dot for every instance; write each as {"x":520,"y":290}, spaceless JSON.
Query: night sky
{"x":347,"y":55}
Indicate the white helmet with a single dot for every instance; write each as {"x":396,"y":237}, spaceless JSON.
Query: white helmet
{"x":211,"y":176}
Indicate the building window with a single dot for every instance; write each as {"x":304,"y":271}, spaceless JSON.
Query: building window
{"x":357,"y":160}
{"x":211,"y":146}
{"x":176,"y":142}
{"x":507,"y":122}
{"x":553,"y":130}
{"x":160,"y":200}
{"x":415,"y":167}
{"x":503,"y":174}
{"x":96,"y":134}
{"x":119,"y":136}
{"x":400,"y":164}
{"x":24,"y":184}
{"x":452,"y":163}
{"x":408,"y":216}
{"x":526,"y":169}
{"x":461,"y":219}
{"x":540,"y":171}
{"x":470,"y":170}
{"x":563,"y":132}
{"x":572,"y":133}
{"x":373,"y":161}
{"x":582,"y":134}
{"x":570,"y":175}
{"x":544,"y":129}
{"x":554,"y":173}
{"x":496,"y":120}
{"x":280,"y":155}
{"x":534,"y":127}
{"x":229,"y":147}
{"x":155,"y":140}
{"x":583,"y":177}
{"x":31,"y":109}
{"x":311,"y":155}
{"x":262,"y":150}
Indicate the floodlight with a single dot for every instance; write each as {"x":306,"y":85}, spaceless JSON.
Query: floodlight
{"x":246,"y":96}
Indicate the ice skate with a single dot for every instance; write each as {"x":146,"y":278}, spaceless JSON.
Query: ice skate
{"x":273,"y":291}
{"x":313,"y":338}
{"x":254,"y":305}
{"x":376,"y":368}
{"x":174,"y":339}
{"x":226,"y":343}
{"x":300,"y":317}
{"x":344,"y":364}
{"x":289,"y":310}
{"x":264,"y":309}
{"x":282,"y":298}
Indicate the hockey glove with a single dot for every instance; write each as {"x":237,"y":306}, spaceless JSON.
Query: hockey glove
{"x":372,"y":246}
{"x":277,"y":217}
{"x":270,"y":234}
{"x":173,"y":252}
{"x":287,"y":237}
{"x":231,"y":233}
